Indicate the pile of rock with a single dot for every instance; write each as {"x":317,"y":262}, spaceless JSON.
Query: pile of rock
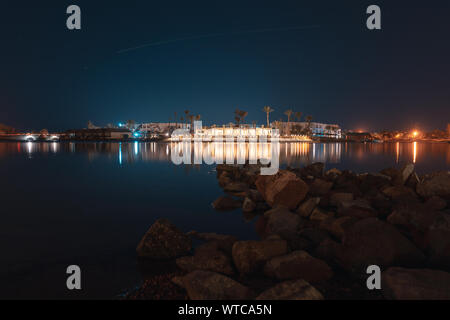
{"x":319,"y":230}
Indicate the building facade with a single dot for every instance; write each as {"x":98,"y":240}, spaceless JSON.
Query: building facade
{"x":315,"y":129}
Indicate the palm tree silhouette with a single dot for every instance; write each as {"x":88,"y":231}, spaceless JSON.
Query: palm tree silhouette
{"x":288,"y":113}
{"x":267,"y":110}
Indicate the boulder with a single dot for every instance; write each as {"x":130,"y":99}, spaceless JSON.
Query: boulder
{"x":207,"y":257}
{"x":283,"y":222}
{"x":291,"y":290}
{"x":437,"y":241}
{"x":224,"y":242}
{"x":314,"y":235}
{"x":415,"y":284}
{"x":337,"y":198}
{"x":359,"y":208}
{"x":395,"y":175}
{"x":163,"y":241}
{"x":406,"y":172}
{"x":307,"y":207}
{"x":298,"y":265}
{"x":284,"y":188}
{"x":436,"y":203}
{"x":314,"y":169}
{"x":337,"y":227}
{"x":437,"y":184}
{"x":320,"y":187}
{"x":207,"y":285}
{"x":235,"y":187}
{"x":320,"y":215}
{"x":255,"y":195}
{"x":249,"y":256}
{"x":225,"y":203}
{"x":397,"y":192}
{"x":249,"y":205}
{"x":333,"y":173}
{"x":371,"y":241}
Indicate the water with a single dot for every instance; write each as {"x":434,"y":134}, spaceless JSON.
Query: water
{"x":89,"y":204}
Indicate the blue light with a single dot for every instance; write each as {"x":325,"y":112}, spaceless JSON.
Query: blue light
{"x":120,"y":124}
{"x":136,"y":134}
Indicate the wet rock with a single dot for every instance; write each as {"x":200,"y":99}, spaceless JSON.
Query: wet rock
{"x":321,"y":215}
{"x":207,"y":285}
{"x":249,"y":205}
{"x":224,"y":179}
{"x":320,"y":187}
{"x":315,"y":169}
{"x":291,"y":290}
{"x":284,"y":188}
{"x":255,"y":195}
{"x":207,"y":257}
{"x":249,"y":256}
{"x":316,"y":236}
{"x":226,"y":203}
{"x":437,"y":184}
{"x":337,"y":198}
{"x":298,"y":265}
{"x":307,"y":207}
{"x":415,"y":284}
{"x":394,"y":174}
{"x":163,"y":241}
{"x":224,"y":242}
{"x":371,"y":241}
{"x":282,"y":222}
{"x":235,"y":187}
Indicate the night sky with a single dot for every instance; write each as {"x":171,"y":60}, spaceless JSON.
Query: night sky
{"x":212,"y":57}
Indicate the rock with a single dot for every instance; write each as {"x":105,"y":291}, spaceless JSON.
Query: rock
{"x":163,"y":241}
{"x":437,"y":184}
{"x":249,"y":256}
{"x":375,"y":182}
{"x":412,"y":181}
{"x":316,"y":236}
{"x":224,"y":242}
{"x":437,"y":241}
{"x":207,"y":257}
{"x":436,"y":203}
{"x":327,"y":250}
{"x":235,"y":187}
{"x":320,"y":187}
{"x":337,"y":227}
{"x":306,"y":208}
{"x":371,"y":241}
{"x":415,"y":284}
{"x":333,"y":172}
{"x":347,"y":182}
{"x":224,"y":179}
{"x":336,"y":199}
{"x":226,"y":203}
{"x":248,"y":205}
{"x":395,"y":174}
{"x":284,"y":188}
{"x":406,"y":172}
{"x":315,"y":170}
{"x":291,"y":290}
{"x":359,"y":208}
{"x":396,"y":192}
{"x":178,"y":281}
{"x":282,"y":222}
{"x":298,"y":265}
{"x":320,"y":215}
{"x":207,"y":285}
{"x":255,"y":195}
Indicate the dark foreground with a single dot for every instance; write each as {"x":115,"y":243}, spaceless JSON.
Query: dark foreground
{"x":320,"y":231}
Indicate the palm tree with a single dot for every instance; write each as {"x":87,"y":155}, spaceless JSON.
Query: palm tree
{"x":191,"y":118}
{"x":268,"y":110}
{"x":242,"y":115}
{"x":298,"y":115}
{"x":309,"y":119}
{"x":186,"y":112}
{"x":237,"y":119}
{"x":288,"y":113}
{"x":175,"y":119}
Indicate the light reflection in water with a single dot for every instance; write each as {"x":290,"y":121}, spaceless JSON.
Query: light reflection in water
{"x":292,"y":154}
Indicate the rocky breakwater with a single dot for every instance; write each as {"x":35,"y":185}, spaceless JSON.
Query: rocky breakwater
{"x":320,"y":230}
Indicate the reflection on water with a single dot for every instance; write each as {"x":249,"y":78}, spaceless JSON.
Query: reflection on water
{"x":431,"y":156}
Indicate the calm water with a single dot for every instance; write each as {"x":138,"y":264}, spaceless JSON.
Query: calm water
{"x":90,"y":203}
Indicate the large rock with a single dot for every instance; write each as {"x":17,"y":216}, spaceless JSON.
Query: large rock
{"x":320,"y":215}
{"x":207,"y":257}
{"x":415,"y":284}
{"x":163,"y":241}
{"x":337,"y":227}
{"x":249,"y":205}
{"x":283,"y":222}
{"x":337,"y":198}
{"x":307,"y":207}
{"x":291,"y":290}
{"x":226,"y":203}
{"x":235,"y":187}
{"x":437,"y":241}
{"x":224,"y":241}
{"x":320,"y":187}
{"x":359,"y":208}
{"x":284,"y":188}
{"x":437,"y":184}
{"x":249,"y":256}
{"x":371,"y":241}
{"x":207,"y":285}
{"x":298,"y":265}
{"x":407,"y":171}
{"x":399,"y":191}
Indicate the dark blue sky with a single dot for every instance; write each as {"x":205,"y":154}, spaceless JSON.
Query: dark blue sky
{"x":338,"y":71}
